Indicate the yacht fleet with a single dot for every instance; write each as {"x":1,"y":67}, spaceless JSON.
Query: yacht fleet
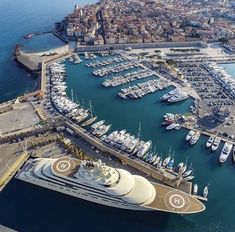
{"x":128,"y":77}
{"x":116,"y":68}
{"x":142,"y":89}
{"x":59,"y":98}
{"x":175,"y":95}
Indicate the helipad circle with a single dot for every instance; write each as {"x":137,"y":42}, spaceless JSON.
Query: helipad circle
{"x":63,"y":166}
{"x":177,"y":201}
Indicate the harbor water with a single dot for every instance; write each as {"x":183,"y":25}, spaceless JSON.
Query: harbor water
{"x":25,"y":207}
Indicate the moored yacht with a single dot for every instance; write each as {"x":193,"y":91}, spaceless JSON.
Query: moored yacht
{"x":97,"y":124}
{"x":172,"y":126}
{"x":215,"y":144}
{"x":210,"y":141}
{"x":95,"y":182}
{"x":195,"y":138}
{"x":225,"y":152}
{"x":189,"y":135}
{"x":144,"y":148}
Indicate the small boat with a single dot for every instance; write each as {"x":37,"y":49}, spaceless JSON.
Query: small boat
{"x":153,"y":159}
{"x":205,"y":191}
{"x":195,"y":189}
{"x":189,"y":178}
{"x":172,"y":126}
{"x":97,"y":124}
{"x":178,"y":167}
{"x":89,"y":121}
{"x":171,"y":164}
{"x":195,"y":138}
{"x":187,"y":173}
{"x":166,"y":161}
{"x":159,"y":164}
{"x":157,"y":160}
{"x":178,"y":127}
{"x":216,"y":144}
{"x":183,"y":168}
{"x":189,"y":135}
{"x":210,"y":141}
{"x":226,"y":150}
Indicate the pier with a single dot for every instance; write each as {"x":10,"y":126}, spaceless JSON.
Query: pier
{"x":11,"y":167}
{"x":33,"y":61}
{"x":162,"y":175}
{"x":145,"y":88}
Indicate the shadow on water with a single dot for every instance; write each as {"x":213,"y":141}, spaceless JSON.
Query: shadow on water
{"x":66,"y":213}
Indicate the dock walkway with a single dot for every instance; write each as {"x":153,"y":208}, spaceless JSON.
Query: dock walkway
{"x":161,"y":175}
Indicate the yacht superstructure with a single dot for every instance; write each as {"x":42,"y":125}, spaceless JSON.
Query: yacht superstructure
{"x":96,"y":182}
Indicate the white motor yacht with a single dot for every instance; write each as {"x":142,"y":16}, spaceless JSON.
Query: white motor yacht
{"x":195,"y":138}
{"x":189,"y":135}
{"x":210,"y":141}
{"x":215,"y":144}
{"x":226,"y":150}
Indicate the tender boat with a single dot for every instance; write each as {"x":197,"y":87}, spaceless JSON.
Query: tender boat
{"x":172,"y":126}
{"x":195,"y":189}
{"x":210,"y":141}
{"x":215,"y":144}
{"x":195,"y":138}
{"x":205,"y":191}
{"x":189,"y":135}
{"x":187,"y":173}
{"x":189,"y":178}
{"x":226,"y":150}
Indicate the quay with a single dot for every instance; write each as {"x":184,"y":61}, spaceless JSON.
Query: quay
{"x":9,"y":170}
{"x":33,"y":61}
{"x":161,"y":175}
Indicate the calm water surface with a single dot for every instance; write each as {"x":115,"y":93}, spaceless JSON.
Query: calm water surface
{"x":25,"y":207}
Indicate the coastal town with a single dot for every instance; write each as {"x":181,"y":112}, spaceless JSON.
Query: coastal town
{"x":50,"y":139}
{"x":150,"y":21}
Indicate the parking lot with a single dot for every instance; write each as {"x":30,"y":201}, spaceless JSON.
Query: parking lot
{"x":210,"y":92}
{"x":21,"y":117}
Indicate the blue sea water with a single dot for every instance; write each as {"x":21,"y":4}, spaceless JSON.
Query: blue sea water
{"x":25,"y":207}
{"x":230,"y":69}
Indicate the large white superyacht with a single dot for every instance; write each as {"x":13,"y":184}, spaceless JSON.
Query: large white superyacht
{"x":94,"y":181}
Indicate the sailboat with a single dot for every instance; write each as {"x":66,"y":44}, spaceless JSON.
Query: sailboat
{"x":189,"y":172}
{"x":167,"y":159}
{"x":92,"y":119}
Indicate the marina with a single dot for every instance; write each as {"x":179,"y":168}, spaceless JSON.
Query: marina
{"x":79,"y":85}
{"x":165,"y":171}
